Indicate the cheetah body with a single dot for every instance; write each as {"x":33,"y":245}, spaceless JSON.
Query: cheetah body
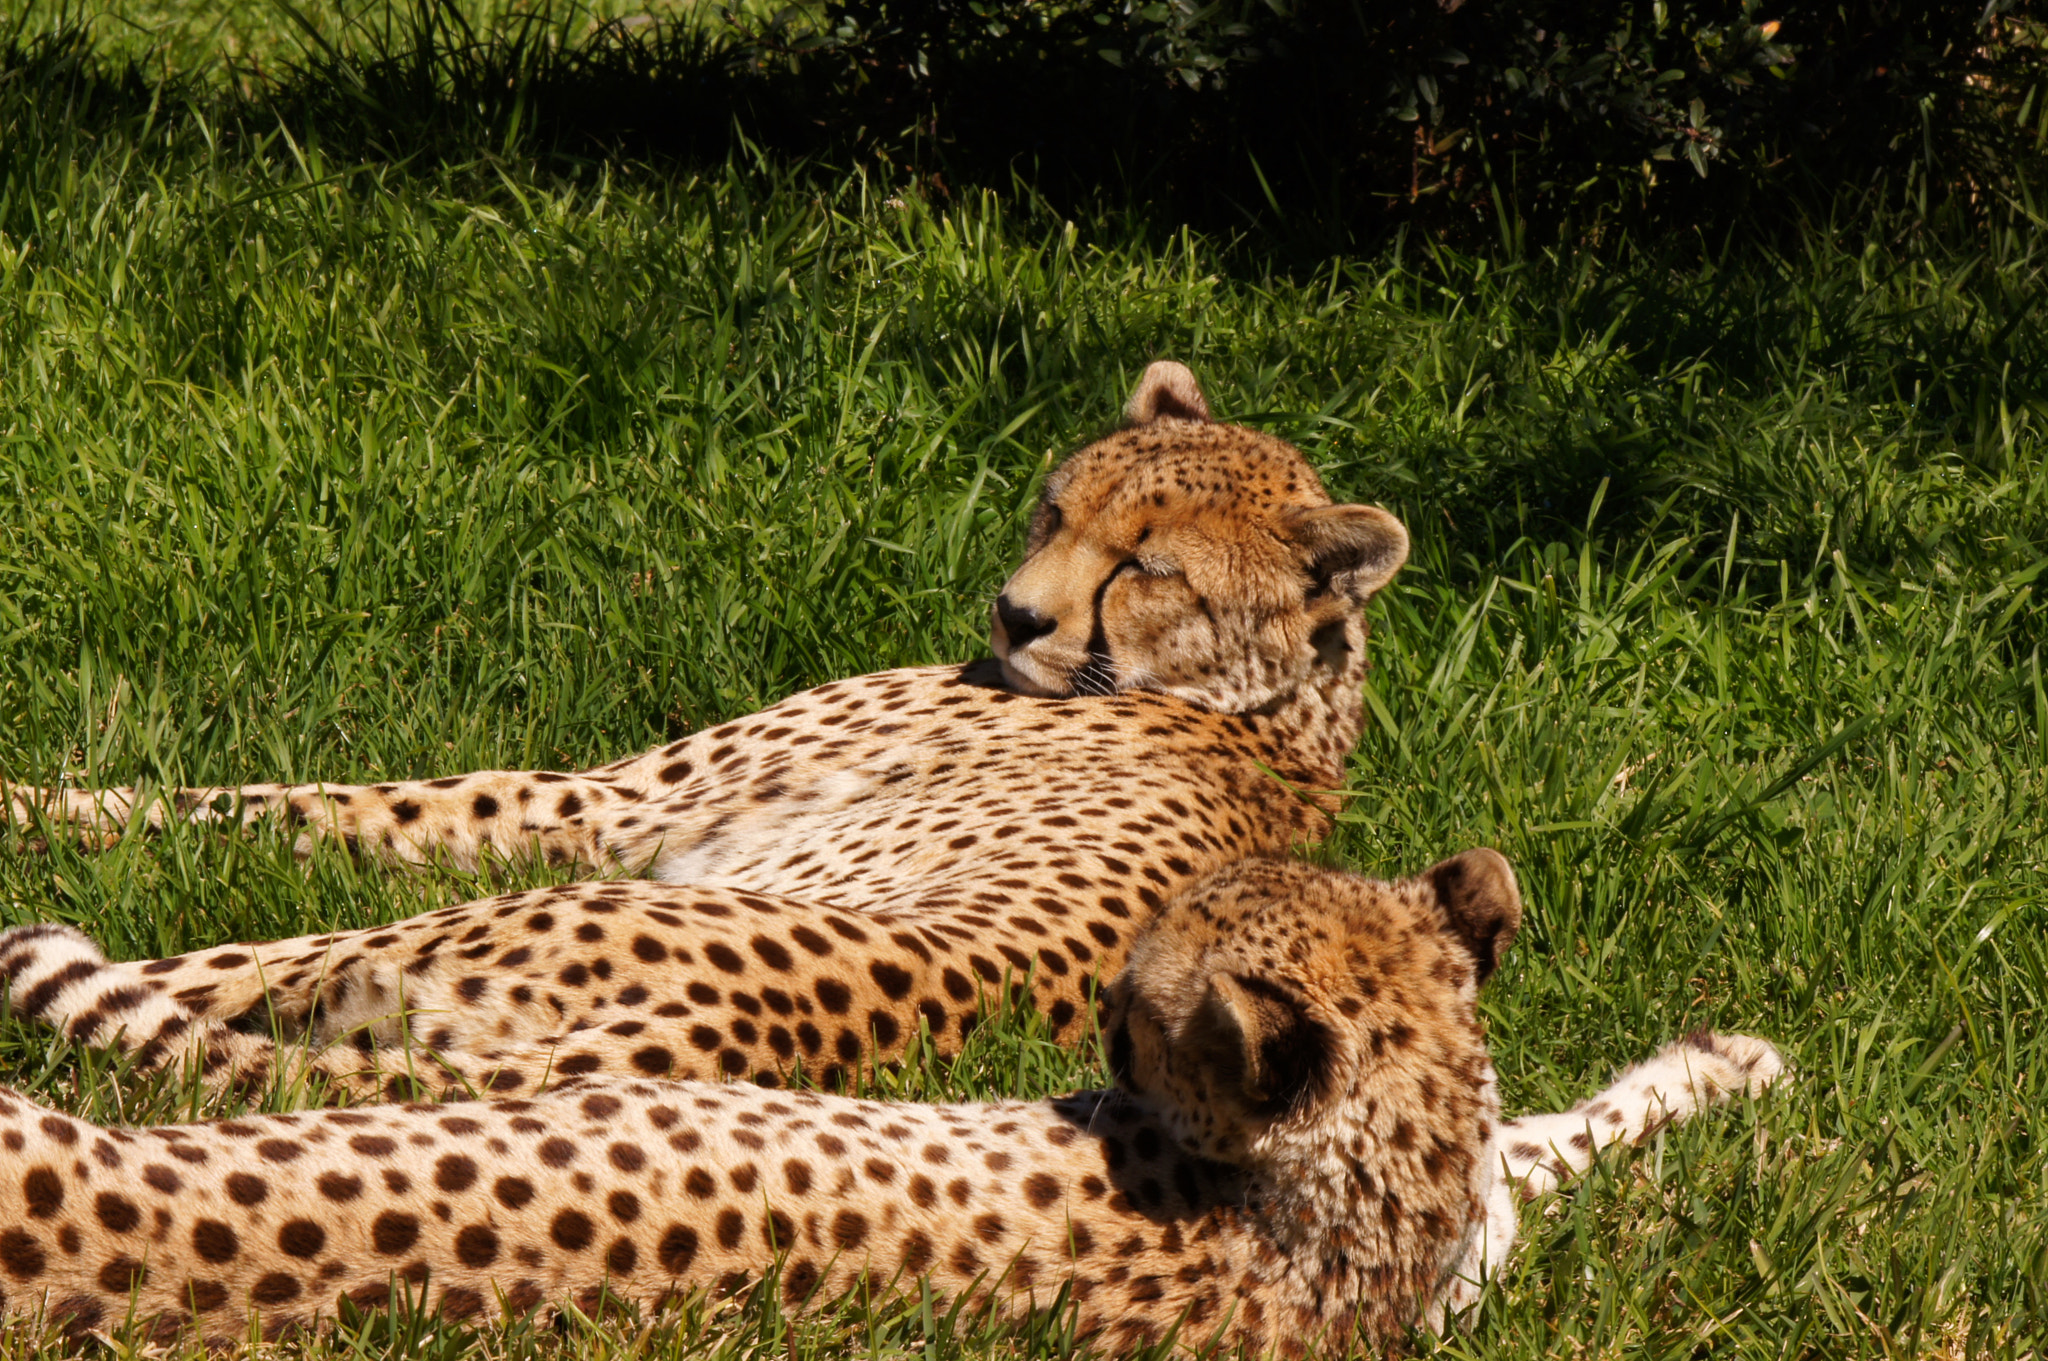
{"x":1177,"y":685}
{"x":1304,"y":1144}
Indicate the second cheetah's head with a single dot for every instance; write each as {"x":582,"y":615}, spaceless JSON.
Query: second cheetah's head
{"x":1275,"y":1001}
{"x":1189,"y":557}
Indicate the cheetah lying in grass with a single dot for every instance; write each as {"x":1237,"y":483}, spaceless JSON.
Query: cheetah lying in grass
{"x":1304,"y":1145}
{"x":1180,"y":662}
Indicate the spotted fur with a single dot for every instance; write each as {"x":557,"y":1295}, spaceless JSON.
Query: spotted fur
{"x":1176,"y":684}
{"x":1303,"y":1147}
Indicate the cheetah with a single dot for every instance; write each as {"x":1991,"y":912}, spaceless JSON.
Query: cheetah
{"x":1176,"y":686}
{"x":1303,"y":1146}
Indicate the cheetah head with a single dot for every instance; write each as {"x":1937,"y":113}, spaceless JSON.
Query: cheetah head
{"x":1276,"y":993}
{"x":1190,"y":557}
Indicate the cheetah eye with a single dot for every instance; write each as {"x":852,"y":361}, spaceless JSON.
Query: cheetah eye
{"x":1045,"y":523}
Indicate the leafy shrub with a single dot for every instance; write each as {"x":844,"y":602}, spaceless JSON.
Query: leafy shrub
{"x":1324,"y":122}
{"x":1367,"y":106}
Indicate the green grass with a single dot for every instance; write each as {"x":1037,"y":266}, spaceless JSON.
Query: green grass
{"x":1723,"y":621}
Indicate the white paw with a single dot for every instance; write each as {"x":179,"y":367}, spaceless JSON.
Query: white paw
{"x":1729,"y":1064}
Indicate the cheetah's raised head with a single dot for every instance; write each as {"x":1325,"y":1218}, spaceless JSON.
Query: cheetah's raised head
{"x":1190,"y":557}
{"x":1277,"y":993}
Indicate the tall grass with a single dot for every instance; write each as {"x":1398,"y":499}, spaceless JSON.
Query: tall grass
{"x":1723,"y":621}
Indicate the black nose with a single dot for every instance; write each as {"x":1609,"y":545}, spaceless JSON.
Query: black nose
{"x":1020,"y":624}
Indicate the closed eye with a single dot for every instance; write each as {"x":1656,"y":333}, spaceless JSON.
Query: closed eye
{"x":1044,"y":525}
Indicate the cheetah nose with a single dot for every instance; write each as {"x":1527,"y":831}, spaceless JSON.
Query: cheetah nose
{"x":1020,"y":624}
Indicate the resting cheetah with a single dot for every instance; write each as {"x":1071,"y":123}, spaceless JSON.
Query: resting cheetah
{"x":1304,"y":1143}
{"x":1179,"y":662}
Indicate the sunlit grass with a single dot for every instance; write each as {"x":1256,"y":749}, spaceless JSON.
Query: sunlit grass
{"x":1723,"y":622}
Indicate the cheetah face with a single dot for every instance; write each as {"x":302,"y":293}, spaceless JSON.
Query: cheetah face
{"x":1184,"y":556}
{"x":1275,"y":991}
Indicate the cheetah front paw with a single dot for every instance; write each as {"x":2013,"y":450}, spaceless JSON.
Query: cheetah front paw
{"x":1719,"y":1067}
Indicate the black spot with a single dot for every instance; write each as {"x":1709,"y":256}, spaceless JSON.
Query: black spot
{"x":799,"y":1280}
{"x":394,"y":1232}
{"x":21,"y":1256}
{"x":301,"y":1238}
{"x":849,"y":1229}
{"x":461,"y":1302}
{"x":476,"y":1246}
{"x":44,"y":1192}
{"x":121,"y":1276}
{"x":678,"y":1249}
{"x":894,"y":982}
{"x":215,"y":1241}
{"x":455,"y":1172}
{"x":1041,"y":1189}
{"x":244,"y":1189}
{"x":571,"y":1230}
{"x":341,"y":1187}
{"x":621,"y":1257}
{"x":116,"y":1213}
{"x":275,"y":1288}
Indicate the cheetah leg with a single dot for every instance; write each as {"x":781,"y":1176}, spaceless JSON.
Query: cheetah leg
{"x":462,"y":822}
{"x":1687,"y":1076}
{"x":55,"y":974}
{"x":1537,"y":1152}
{"x":370,"y":1043}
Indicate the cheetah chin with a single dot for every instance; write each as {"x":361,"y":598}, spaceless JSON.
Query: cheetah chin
{"x":1303,"y":1148}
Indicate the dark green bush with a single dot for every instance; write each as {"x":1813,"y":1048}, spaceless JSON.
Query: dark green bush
{"x":1699,"y":110}
{"x":1325,"y":123}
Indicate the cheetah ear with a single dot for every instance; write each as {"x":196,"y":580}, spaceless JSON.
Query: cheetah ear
{"x":1478,"y":894}
{"x":1252,"y":1036}
{"x":1356,"y":549}
{"x":1166,"y":392}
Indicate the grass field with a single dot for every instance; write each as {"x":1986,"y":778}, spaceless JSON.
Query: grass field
{"x":1724,"y":619}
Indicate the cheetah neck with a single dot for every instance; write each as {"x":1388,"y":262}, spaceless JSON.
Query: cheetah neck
{"x":1357,"y":1225}
{"x":1314,"y":728}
